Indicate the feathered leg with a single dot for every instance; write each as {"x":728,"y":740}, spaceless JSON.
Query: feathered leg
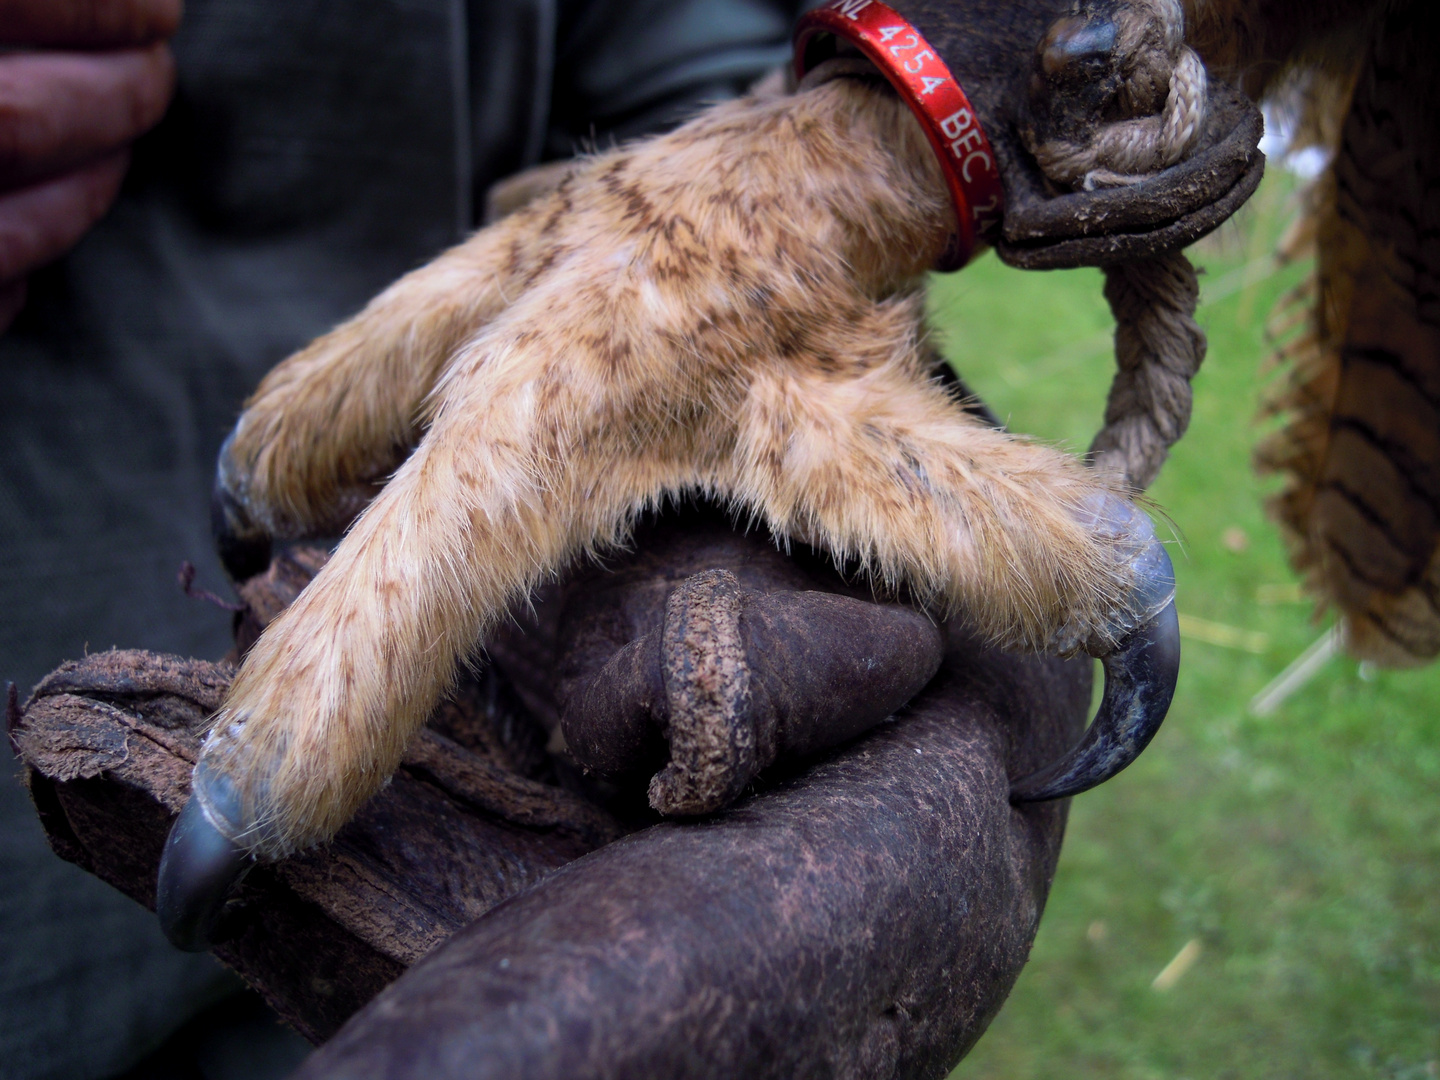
{"x":327,"y":425}
{"x":731,"y":308}
{"x":885,"y":469}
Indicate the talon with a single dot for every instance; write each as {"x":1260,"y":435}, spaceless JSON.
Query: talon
{"x":1077,"y":43}
{"x":198,"y":869}
{"x":1140,"y":557}
{"x":1074,"y":77}
{"x":1139,"y":683}
{"x":243,"y":547}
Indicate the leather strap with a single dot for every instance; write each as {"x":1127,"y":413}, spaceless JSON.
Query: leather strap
{"x":934,"y":95}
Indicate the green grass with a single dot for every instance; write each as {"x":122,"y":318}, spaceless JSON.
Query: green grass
{"x":1301,"y":850}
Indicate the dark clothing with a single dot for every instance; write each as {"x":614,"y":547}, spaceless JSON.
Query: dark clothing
{"x":315,"y":151}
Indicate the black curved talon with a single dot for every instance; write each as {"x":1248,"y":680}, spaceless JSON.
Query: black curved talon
{"x":198,"y":870}
{"x":1139,"y":683}
{"x":243,"y":547}
{"x":242,"y":554}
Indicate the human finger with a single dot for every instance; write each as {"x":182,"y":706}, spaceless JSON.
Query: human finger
{"x":12,"y":301}
{"x":88,"y":24}
{"x":40,"y":223}
{"x":61,"y":110}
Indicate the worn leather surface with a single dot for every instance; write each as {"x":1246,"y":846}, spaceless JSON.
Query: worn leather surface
{"x":1171,"y":210}
{"x":863,"y":918}
{"x":862,"y":910}
{"x":721,"y":655}
{"x":110,"y":741}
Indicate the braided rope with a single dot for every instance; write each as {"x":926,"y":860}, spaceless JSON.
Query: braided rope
{"x":1151,"y":35}
{"x":1158,"y":345}
{"x":1125,"y":152}
{"x":1158,"y":349}
{"x":1185,"y":107}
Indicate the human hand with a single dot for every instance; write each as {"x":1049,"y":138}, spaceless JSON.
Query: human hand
{"x":82,"y":80}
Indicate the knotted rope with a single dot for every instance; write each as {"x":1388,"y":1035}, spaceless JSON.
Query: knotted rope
{"x":1150,"y":35}
{"x":1158,"y":344}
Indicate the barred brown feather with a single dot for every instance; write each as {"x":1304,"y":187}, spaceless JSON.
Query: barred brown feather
{"x":1361,"y":449}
